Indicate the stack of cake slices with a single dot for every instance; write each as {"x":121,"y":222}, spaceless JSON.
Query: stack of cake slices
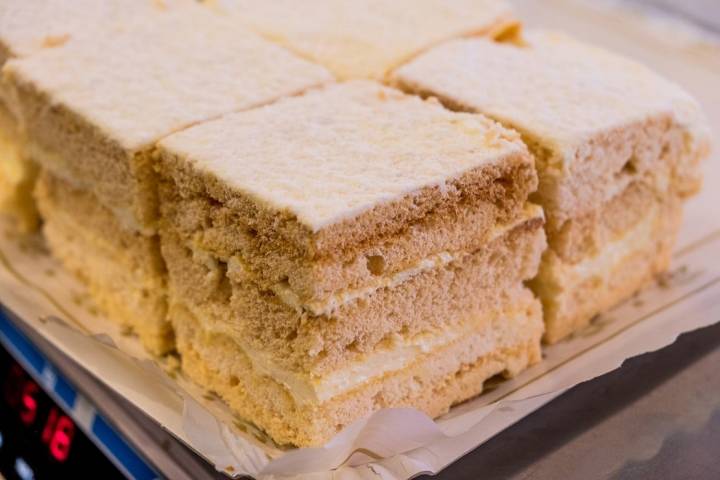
{"x":26,"y":28}
{"x":617,"y":150}
{"x":349,"y":250}
{"x":315,"y":250}
{"x":91,"y":111}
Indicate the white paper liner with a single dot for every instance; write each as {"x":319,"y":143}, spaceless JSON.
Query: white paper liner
{"x":393,"y":443}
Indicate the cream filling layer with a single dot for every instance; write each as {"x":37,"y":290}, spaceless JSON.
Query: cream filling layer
{"x":96,"y":238}
{"x":343,"y":297}
{"x":485,"y":336}
{"x":238,"y":268}
{"x":56,"y":164}
{"x":603,"y":264}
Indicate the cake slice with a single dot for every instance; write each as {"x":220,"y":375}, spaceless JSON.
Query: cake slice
{"x":93,"y":135}
{"x":617,"y":149}
{"x":334,"y":227}
{"x":140,"y":82}
{"x":350,"y":249}
{"x":27,"y":27}
{"x":368,"y":39}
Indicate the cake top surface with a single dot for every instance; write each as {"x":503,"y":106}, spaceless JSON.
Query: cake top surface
{"x":161,"y":73}
{"x":336,"y":152}
{"x":365,"y":39}
{"x":28,"y":26}
{"x":554,"y":88}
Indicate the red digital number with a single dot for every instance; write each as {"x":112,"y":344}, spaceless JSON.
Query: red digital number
{"x":28,"y":404}
{"x":62,"y":438}
{"x":58,"y":434}
{"x":59,"y":429}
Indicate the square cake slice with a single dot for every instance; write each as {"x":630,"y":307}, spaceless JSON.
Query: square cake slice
{"x":27,"y":27}
{"x":93,"y":108}
{"x":368,"y":39}
{"x":293,"y":291}
{"x":608,"y":135}
{"x":342,"y":187}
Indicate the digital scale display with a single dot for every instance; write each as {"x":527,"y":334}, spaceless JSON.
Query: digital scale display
{"x":50,"y":430}
{"x":37,"y":438}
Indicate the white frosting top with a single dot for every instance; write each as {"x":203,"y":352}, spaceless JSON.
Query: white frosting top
{"x":365,"y":39}
{"x":27,"y":26}
{"x":335,"y":153}
{"x":554,"y":88}
{"x":161,"y":73}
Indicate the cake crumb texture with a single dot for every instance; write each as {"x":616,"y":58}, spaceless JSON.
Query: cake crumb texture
{"x":574,"y":293}
{"x":434,"y":383}
{"x":595,"y":121}
{"x":123,"y":270}
{"x":338,"y":152}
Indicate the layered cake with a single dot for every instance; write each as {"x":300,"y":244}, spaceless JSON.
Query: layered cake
{"x":28,"y":27}
{"x":617,"y":150}
{"x":347,"y":250}
{"x":316,"y":251}
{"x":93,"y":135}
{"x":368,"y":39}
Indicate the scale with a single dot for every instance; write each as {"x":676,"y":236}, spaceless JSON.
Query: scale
{"x":57,"y":421}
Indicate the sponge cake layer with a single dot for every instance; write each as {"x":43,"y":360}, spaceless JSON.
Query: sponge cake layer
{"x":122,"y":269}
{"x":596,"y":122}
{"x":431,"y":381}
{"x":228,"y":298}
{"x":574,"y":292}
